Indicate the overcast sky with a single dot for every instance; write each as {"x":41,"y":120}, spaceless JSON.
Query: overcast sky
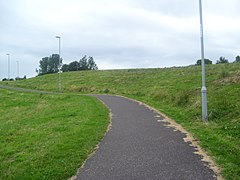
{"x":117,"y":33}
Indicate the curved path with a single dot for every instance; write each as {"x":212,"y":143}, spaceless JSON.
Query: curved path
{"x":139,"y":146}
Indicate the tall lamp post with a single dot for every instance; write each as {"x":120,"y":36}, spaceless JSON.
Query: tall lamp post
{"x":17,"y":69}
{"x":8,"y":65}
{"x":204,"y":89}
{"x":59,"y":63}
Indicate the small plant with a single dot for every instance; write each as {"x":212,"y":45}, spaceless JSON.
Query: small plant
{"x":83,"y":89}
{"x":138,"y":93}
{"x":224,"y":73}
{"x":160,"y":95}
{"x":213,"y":114}
{"x":106,"y":91}
{"x":182,"y":99}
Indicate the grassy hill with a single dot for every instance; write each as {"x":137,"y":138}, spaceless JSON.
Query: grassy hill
{"x":47,"y":136}
{"x":175,"y":92}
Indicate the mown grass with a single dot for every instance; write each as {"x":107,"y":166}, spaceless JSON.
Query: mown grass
{"x":47,"y":136}
{"x":177,"y":93}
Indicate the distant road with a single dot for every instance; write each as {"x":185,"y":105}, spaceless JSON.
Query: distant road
{"x":139,"y":146}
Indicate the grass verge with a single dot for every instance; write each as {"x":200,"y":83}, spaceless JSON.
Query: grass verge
{"x":177,"y":93}
{"x":47,"y":136}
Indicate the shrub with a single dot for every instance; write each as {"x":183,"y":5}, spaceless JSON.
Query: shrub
{"x":224,"y":74}
{"x":106,"y":91}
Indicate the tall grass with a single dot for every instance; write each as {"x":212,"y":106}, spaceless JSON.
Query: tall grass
{"x":177,"y":93}
{"x":47,"y":136}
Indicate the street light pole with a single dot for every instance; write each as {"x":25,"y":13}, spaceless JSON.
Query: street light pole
{"x":8,"y":65}
{"x":59,"y":63}
{"x":204,"y":89}
{"x":17,"y":69}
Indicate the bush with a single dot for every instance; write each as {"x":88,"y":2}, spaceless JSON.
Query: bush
{"x":237,"y":59}
{"x":224,"y":74}
{"x":199,"y":62}
{"x":222,"y":60}
{"x":106,"y":91}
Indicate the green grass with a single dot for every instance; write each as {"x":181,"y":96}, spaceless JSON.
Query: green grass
{"x":177,"y":93}
{"x":47,"y":136}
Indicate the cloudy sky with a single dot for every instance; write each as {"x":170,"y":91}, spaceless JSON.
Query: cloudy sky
{"x":117,"y":33}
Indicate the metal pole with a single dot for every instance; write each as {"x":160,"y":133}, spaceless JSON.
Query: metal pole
{"x":17,"y":69}
{"x":59,"y":63}
{"x":8,"y":66}
{"x":204,"y":89}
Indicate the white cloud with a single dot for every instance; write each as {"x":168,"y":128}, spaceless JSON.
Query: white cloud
{"x":118,"y":34}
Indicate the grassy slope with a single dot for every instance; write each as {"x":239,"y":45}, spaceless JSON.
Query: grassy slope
{"x":176,"y":92}
{"x":47,"y":136}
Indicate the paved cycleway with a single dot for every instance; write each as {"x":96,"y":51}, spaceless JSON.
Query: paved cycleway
{"x":139,"y":146}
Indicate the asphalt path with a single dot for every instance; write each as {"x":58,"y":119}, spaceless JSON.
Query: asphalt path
{"x":139,"y":146}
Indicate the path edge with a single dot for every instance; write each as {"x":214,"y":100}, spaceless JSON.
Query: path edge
{"x":170,"y":123}
{"x":74,"y":177}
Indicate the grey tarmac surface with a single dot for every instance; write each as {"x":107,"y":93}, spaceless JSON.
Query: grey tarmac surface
{"x":139,"y":146}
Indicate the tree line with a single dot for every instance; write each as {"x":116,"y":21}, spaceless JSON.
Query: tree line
{"x":221,"y":60}
{"x":85,"y":63}
{"x":16,"y":79}
{"x":52,"y":64}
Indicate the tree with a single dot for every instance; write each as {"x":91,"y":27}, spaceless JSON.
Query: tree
{"x":83,"y":63}
{"x":43,"y":66}
{"x":91,"y":64}
{"x":222,"y":60}
{"x":207,"y":61}
{"x":19,"y":78}
{"x":237,"y":59}
{"x":49,"y":64}
{"x":53,"y":63}
{"x":73,"y":66}
{"x":65,"y":68}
